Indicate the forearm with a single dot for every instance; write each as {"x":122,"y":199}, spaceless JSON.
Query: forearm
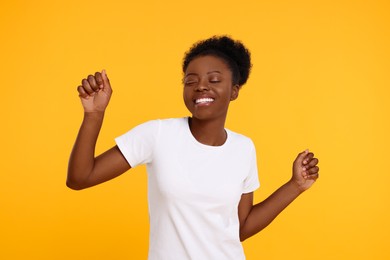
{"x":262,"y":214}
{"x":82,"y":158}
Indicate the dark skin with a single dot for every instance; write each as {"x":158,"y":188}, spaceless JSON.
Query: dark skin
{"x":208,"y":91}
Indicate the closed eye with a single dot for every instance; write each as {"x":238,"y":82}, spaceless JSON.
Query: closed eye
{"x":190,"y":83}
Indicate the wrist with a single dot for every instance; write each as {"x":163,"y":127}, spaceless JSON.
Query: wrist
{"x":295,"y":187}
{"x":96,"y":115}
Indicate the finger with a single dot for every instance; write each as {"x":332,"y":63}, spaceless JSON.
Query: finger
{"x":99,"y":79}
{"x":313,"y":170}
{"x":300,"y":157}
{"x":313,"y":176}
{"x":82,"y":92}
{"x":308,"y":158}
{"x":313,"y":162}
{"x":87,"y":87}
{"x":106,"y":81}
{"x":92,"y":83}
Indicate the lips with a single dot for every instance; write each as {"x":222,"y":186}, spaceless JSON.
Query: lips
{"x":205,"y":100}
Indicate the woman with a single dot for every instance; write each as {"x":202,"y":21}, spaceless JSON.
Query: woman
{"x":201,"y":176}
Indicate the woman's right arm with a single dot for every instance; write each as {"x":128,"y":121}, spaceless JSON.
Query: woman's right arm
{"x":86,"y":170}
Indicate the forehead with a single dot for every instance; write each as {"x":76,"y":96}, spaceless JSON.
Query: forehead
{"x":204,"y":64}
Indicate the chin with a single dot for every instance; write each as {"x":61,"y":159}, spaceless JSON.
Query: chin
{"x":207,"y":116}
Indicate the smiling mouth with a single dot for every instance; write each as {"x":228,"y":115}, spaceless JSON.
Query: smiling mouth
{"x":204,"y":100}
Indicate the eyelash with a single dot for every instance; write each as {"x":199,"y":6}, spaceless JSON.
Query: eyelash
{"x":194,"y":82}
{"x":190,"y":83}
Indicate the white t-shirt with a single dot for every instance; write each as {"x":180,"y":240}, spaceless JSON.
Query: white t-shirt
{"x":193,"y":189}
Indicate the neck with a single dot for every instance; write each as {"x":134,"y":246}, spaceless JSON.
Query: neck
{"x":208,"y":132}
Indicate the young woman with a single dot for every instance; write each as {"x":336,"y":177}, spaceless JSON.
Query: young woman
{"x":201,"y":176}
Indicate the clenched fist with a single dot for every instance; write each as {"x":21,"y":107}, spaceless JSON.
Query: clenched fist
{"x":305,"y":170}
{"x":95,"y":92}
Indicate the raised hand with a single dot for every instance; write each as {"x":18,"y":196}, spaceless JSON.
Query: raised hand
{"x":305,"y":170}
{"x":95,"y":92}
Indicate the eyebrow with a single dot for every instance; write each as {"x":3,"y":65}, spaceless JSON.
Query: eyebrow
{"x":214,"y":71}
{"x":195,"y":74}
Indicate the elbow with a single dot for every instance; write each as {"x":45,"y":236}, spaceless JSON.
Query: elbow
{"x":75,"y":184}
{"x":242,"y":234}
{"x":76,"y":180}
{"x":243,"y":237}
{"x":246,"y":233}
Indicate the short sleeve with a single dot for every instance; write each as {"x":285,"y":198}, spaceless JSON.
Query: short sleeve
{"x":138,"y":144}
{"x":251,"y":182}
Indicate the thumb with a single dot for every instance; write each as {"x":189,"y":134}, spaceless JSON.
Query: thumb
{"x":106,"y":81}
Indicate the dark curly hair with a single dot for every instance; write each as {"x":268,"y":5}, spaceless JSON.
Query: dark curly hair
{"x":233,"y":52}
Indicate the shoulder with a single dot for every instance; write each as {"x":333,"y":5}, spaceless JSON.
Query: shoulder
{"x":237,"y":137}
{"x":169,"y":122}
{"x":240,"y":141}
{"x":173,"y":121}
{"x":157,"y":126}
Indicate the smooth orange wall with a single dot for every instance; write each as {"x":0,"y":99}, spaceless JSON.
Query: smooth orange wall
{"x":320,"y":80}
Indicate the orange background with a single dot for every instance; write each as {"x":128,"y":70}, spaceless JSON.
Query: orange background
{"x":320,"y":80}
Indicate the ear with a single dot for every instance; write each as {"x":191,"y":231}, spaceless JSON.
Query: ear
{"x":235,"y":91}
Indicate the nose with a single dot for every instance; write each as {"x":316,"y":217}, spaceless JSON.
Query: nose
{"x":203,"y":85}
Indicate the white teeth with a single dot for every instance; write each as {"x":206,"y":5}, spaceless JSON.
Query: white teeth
{"x":203,"y":100}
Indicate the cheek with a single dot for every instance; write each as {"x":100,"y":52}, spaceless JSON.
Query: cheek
{"x":225,"y":93}
{"x":185,"y":94}
{"x":187,"y":100}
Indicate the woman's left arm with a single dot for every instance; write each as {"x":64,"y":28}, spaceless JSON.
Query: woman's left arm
{"x":253,"y":218}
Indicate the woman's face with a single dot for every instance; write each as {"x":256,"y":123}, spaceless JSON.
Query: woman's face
{"x":208,"y":88}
